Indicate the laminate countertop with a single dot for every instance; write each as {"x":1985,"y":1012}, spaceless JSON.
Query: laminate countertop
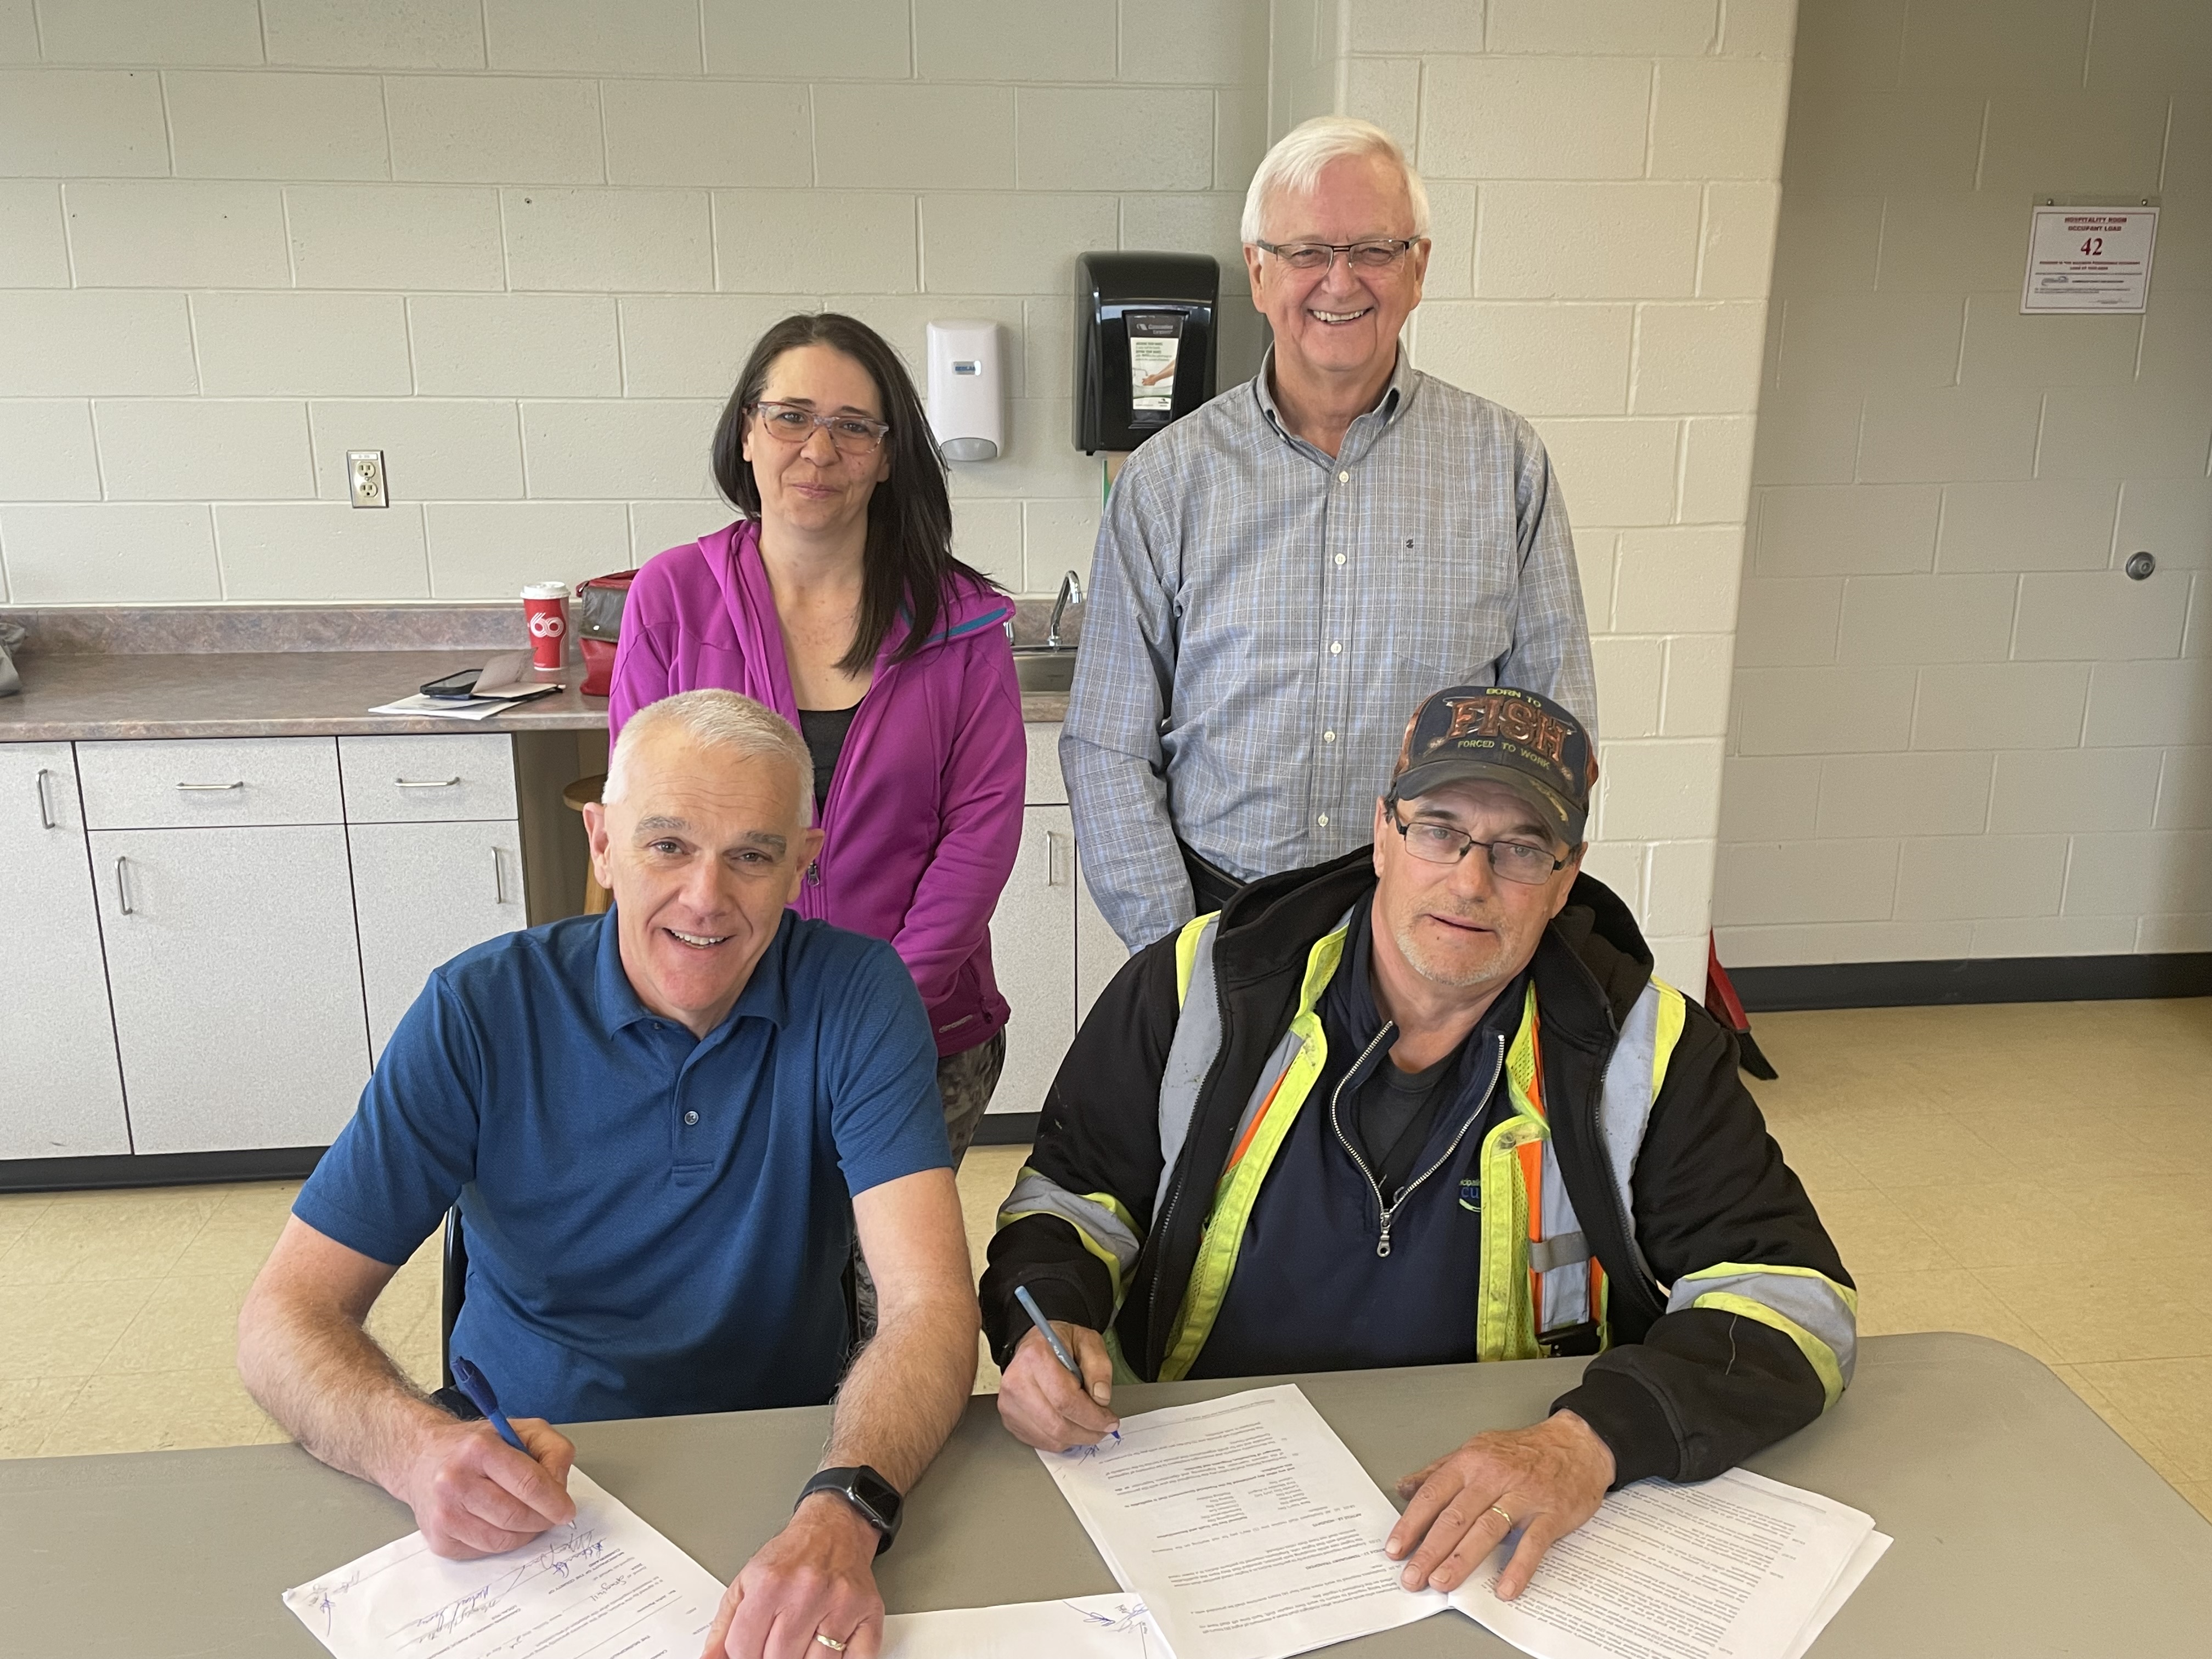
{"x":263,"y":694}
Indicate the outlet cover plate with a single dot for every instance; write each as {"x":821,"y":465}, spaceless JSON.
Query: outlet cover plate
{"x":365,"y":478}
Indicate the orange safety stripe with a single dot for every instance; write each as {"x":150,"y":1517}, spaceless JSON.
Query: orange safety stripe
{"x":1536,"y":1069}
{"x":1531,"y":1154}
{"x":1258,"y":1118}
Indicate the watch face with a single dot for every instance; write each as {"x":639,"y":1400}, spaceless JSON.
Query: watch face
{"x":881,"y":1498}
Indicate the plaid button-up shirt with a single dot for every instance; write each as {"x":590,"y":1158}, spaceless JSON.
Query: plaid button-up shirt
{"x":1263,"y":620}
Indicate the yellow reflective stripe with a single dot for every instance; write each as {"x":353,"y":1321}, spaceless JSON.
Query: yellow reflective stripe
{"x":1819,"y":1354}
{"x":1505,"y":1323}
{"x":1106,"y":1201}
{"x":1186,"y":953}
{"x":1232,"y":1204}
{"x":1521,"y":1059}
{"x":1674,"y":1014}
{"x":1738,"y":1269}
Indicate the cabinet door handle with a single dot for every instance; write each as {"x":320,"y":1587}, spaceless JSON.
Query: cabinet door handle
{"x":1052,"y":839}
{"x":216,"y":788}
{"x":123,"y":887}
{"x":498,"y":879}
{"x":45,"y":805}
{"x":426,"y":783}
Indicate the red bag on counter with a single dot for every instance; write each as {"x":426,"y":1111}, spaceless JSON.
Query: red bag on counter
{"x":598,"y":625}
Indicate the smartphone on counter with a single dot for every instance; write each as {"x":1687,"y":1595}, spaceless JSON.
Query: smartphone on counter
{"x":460,"y":686}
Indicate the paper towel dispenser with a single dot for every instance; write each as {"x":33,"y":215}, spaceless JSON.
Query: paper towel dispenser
{"x":1145,"y":344}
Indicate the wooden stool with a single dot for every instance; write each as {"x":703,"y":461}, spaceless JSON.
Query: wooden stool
{"x":578,"y":795}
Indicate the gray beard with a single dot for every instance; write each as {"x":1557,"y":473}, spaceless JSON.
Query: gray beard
{"x":1419,"y":960}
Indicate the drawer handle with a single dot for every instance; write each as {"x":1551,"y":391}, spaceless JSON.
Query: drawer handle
{"x":123,"y":887}
{"x":46,"y":806}
{"x":1052,"y":838}
{"x":498,"y":879}
{"x":426,"y":783}
{"x":215,"y":788}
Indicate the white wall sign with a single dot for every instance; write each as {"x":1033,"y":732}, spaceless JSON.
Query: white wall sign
{"x":2090,"y":258}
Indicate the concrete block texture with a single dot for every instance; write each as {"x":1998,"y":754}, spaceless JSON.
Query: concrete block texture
{"x":2149,"y":703}
{"x":260,"y":124}
{"x":1914,"y":619}
{"x":514,"y":345}
{"x":2045,"y":526}
{"x":1695,"y":703}
{"x":593,"y":37}
{"x":199,"y":450}
{"x":2041,"y":790}
{"x":1588,"y":241}
{"x":855,"y":241}
{"x":1716,"y":454}
{"x":708,"y":132}
{"x":1656,"y":789}
{"x":1836,"y":340}
{"x":1812,"y":711}
{"x":2158,"y":871}
{"x":1825,"y":244}
{"x":1012,"y":41}
{"x":46,"y":452}
{"x":1849,"y":530}
{"x":988,"y":536}
{"x":656,"y":526}
{"x":1952,"y":435}
{"x":2004,"y":348}
{"x":321,"y":552}
{"x":263,"y":345}
{"x":402,"y":237}
{"x":1718,"y":118}
{"x":1535,"y":118}
{"x":1758,"y":883}
{"x":1614,"y":473}
{"x":1678,"y":895}
{"x":1809,"y":437}
{"x":489,"y":550}
{"x":110,"y":553}
{"x":1057,"y":537}
{"x":2052,"y":936}
{"x":2185,"y":791}
{"x":135,"y":31}
{"x":440,"y":34}
{"x":434,"y":448}
{"x":1167,"y":40}
{"x":1018,"y":243}
{"x":2161,"y":430}
{"x":1636,"y":28}
{"x":1535,"y":359}
{"x":1890,"y":794}
{"x":599,"y":449}
{"x":1698,"y":359}
{"x":1788,"y":622}
{"x":766,"y":40}
{"x":2099,"y":617}
{"x":1425,"y":26}
{"x":495,"y":129}
{"x":1630,"y":673}
{"x":34,"y":252}
{"x":1678,"y":581}
{"x":1769,"y":797}
{"x":1161,"y":139}
{"x":881,"y":137}
{"x":1982,"y":705}
{"x":1968,"y":878}
{"x":175,"y":233}
{"x":692,"y":345}
{"x":2170,"y":519}
{"x":1736,"y":256}
{"x":624,"y":241}
{"x":63,"y":341}
{"x":2041,"y":44}
{"x":1788,"y":944}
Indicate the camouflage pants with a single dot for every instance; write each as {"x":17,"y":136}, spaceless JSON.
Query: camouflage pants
{"x":965,"y":1082}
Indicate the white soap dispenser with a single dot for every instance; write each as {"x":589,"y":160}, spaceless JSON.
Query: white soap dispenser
{"x":967,"y":390}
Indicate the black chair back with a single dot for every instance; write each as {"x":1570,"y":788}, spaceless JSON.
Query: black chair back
{"x":456,"y":1267}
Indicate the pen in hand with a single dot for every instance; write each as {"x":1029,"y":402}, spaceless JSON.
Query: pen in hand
{"x":475,"y":1384}
{"x":1051,"y":1337}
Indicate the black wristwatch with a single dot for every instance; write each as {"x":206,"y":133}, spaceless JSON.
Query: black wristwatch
{"x":455,"y":1403}
{"x":875,"y":1497}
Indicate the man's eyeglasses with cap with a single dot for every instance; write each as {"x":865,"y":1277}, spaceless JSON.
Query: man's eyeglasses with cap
{"x":1439,"y":843}
{"x":1379,"y":254}
{"x":855,"y":434}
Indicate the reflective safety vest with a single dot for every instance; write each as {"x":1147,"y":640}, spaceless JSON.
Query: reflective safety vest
{"x":1540,"y":1281}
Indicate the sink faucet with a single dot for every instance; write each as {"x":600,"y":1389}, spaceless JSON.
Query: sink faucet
{"x":1071,"y":592}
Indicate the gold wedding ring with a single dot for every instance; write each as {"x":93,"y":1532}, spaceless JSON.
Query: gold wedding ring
{"x":829,"y":1642}
{"x":1510,"y":1523}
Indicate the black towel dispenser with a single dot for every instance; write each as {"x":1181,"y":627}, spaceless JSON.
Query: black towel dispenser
{"x":1145,"y":344}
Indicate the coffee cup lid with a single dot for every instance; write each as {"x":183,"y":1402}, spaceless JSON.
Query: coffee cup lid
{"x":546,"y":591}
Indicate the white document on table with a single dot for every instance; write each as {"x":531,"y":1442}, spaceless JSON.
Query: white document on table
{"x":605,"y":1584}
{"x":1249,"y":1528}
{"x":1736,"y":1567}
{"x":1082,"y":1627}
{"x":1869,"y":1551}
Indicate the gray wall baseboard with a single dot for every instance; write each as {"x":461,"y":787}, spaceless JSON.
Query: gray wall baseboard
{"x":1996,"y":979}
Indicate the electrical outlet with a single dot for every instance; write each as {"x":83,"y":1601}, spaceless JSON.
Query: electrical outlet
{"x":365,"y":478}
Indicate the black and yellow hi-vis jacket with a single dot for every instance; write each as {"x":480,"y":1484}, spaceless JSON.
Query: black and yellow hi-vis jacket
{"x":1632,"y":1200}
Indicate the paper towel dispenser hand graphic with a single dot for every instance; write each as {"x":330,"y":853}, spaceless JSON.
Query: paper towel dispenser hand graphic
{"x":967,"y":390}
{"x":1144,"y":343}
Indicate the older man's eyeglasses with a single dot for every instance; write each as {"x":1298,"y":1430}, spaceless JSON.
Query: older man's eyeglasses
{"x":1439,"y":843}
{"x":854,"y":434}
{"x":1378,"y":255}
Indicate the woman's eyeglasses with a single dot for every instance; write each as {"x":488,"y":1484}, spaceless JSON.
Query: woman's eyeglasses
{"x":854,"y":434}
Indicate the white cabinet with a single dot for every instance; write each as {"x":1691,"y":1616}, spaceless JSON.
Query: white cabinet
{"x":236,"y":983}
{"x":61,"y":1091}
{"x":1033,"y":956}
{"x":422,"y":894}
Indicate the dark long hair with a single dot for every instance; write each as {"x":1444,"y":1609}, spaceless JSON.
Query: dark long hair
{"x":908,"y":557}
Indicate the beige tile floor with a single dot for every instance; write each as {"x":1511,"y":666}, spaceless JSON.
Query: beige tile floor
{"x":2038,"y":1173}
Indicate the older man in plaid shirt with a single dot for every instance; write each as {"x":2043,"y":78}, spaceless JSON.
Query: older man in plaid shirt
{"x":1283,"y":573}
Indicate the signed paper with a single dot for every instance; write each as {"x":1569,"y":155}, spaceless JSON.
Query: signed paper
{"x":606,"y":1584}
{"x":1082,"y":1627}
{"x":1249,"y":1528}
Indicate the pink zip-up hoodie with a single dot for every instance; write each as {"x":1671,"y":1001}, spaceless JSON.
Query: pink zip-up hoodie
{"x":924,"y":814}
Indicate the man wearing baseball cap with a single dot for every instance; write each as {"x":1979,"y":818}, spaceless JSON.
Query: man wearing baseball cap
{"x":1426,"y":1103}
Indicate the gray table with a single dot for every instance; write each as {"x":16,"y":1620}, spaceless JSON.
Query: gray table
{"x":2023,"y":1526}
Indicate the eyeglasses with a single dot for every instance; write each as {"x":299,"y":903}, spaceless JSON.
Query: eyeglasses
{"x":1378,"y":255}
{"x":854,"y":434}
{"x":1439,"y":843}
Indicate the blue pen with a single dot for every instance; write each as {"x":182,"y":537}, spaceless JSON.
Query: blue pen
{"x":1037,"y":1318}
{"x":475,"y":1384}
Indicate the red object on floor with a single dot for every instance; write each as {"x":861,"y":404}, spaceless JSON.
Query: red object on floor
{"x":1724,"y":1005}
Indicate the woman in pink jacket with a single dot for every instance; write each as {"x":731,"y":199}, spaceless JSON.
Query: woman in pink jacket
{"x":835,"y":601}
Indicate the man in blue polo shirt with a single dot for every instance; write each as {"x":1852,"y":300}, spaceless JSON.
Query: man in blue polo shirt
{"x":661,"y":1125}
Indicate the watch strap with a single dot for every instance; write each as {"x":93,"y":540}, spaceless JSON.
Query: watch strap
{"x":850,"y":1484}
{"x":455,"y":1403}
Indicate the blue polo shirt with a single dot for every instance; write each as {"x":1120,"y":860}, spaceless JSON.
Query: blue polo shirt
{"x":657,"y":1223}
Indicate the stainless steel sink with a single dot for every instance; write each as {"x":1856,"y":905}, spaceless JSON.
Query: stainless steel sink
{"x":1044,"y":668}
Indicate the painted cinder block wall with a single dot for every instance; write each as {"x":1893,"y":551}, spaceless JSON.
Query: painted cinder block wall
{"x":1604,"y":178}
{"x":1960,"y":731}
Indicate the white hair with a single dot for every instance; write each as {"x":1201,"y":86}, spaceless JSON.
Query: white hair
{"x":1294,"y":165}
{"x":715,"y":719}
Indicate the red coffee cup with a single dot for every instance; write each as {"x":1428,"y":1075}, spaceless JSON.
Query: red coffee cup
{"x":545,"y":608}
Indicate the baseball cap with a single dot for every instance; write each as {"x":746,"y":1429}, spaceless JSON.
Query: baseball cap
{"x":1501,"y":734}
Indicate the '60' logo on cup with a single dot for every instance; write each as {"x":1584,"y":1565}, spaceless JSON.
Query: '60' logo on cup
{"x":548,"y":625}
